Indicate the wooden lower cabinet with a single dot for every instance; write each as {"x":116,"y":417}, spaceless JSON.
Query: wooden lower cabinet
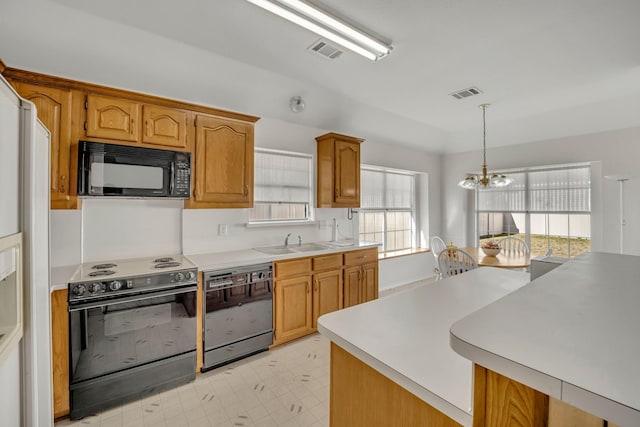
{"x":60,"y":353}
{"x":293,"y":309}
{"x":305,"y":289}
{"x":360,"y":276}
{"x":327,"y":293}
{"x":369,"y":285}
{"x":352,"y":285}
{"x":360,"y":396}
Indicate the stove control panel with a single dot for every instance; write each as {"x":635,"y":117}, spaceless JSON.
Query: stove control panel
{"x":124,"y":285}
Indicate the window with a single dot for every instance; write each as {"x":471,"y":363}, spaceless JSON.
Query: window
{"x":549,"y":208}
{"x":282,"y":186}
{"x":386,"y":213}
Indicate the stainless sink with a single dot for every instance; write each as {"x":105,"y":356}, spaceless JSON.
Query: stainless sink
{"x":274,"y":250}
{"x":307,"y":247}
{"x":280,"y":249}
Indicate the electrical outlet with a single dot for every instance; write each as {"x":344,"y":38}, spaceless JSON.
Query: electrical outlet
{"x":223,"y":229}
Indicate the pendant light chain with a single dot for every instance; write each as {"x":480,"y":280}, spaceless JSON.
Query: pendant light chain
{"x":485,"y":180}
{"x":484,"y":134}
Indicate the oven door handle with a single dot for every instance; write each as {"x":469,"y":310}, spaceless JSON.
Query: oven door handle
{"x":132,"y":298}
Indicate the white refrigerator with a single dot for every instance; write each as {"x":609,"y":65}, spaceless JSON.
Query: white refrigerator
{"x":25,"y":375}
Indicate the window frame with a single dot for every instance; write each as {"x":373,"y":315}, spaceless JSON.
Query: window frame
{"x":413,"y":210}
{"x":528,"y":212}
{"x":310,"y":203}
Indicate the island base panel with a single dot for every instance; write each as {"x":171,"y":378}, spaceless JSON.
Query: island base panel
{"x":499,"y":401}
{"x":502,"y":402}
{"x":362,"y":397}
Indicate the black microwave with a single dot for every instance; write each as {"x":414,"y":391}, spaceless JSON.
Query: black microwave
{"x":125,"y":171}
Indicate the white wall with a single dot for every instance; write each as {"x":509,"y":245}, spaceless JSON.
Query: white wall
{"x":108,"y":229}
{"x":614,"y":152}
{"x":398,"y":271}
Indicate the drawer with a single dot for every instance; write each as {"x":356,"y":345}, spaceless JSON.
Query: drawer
{"x":294,"y":267}
{"x":361,"y":257}
{"x":327,"y":262}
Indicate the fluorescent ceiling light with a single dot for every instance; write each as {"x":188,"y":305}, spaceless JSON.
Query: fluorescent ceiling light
{"x":327,"y":26}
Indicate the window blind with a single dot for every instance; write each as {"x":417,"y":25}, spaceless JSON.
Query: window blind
{"x":381,"y":189}
{"x":282,"y":177}
{"x":556,"y":190}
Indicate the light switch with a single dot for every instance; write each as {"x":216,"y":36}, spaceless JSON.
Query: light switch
{"x":223,"y":229}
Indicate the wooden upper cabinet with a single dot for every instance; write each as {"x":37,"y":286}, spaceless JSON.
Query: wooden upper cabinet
{"x":224,"y":163}
{"x":338,"y":171}
{"x":164,"y":126}
{"x":112,"y":118}
{"x":72,"y":111}
{"x":54,"y":111}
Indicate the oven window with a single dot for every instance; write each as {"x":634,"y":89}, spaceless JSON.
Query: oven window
{"x":118,"y":175}
{"x":117,"y":336}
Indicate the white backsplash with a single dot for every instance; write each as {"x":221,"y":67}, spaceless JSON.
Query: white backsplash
{"x":200,"y":230}
{"x":109,"y":229}
{"x":66,"y":237}
{"x":130,"y":228}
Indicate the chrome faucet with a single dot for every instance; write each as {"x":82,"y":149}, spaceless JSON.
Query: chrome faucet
{"x":299,"y":240}
{"x":286,"y":240}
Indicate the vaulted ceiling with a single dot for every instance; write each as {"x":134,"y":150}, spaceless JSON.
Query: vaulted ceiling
{"x":549,"y":68}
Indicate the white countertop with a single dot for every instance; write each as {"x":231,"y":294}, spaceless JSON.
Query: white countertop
{"x":60,"y":276}
{"x":218,"y":260}
{"x":572,"y":334}
{"x":405,"y":336}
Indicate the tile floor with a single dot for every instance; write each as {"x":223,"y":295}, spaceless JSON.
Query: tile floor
{"x":287,"y":386}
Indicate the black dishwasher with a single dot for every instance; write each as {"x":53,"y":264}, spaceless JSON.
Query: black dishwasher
{"x":238,"y":313}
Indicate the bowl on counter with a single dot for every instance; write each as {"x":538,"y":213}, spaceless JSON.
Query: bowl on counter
{"x":490,"y":251}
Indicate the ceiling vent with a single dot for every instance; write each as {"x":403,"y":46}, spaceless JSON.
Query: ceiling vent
{"x":465,"y":93}
{"x":324,"y":49}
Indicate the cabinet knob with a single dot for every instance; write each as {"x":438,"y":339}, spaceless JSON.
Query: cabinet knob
{"x":315,"y":285}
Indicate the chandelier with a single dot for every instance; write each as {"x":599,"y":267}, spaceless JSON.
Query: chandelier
{"x":472,"y":182}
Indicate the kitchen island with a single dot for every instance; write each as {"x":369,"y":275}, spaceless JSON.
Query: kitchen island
{"x":571,"y":335}
{"x":391,"y":363}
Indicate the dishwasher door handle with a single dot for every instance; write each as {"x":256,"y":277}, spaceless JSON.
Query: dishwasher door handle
{"x":227,"y":284}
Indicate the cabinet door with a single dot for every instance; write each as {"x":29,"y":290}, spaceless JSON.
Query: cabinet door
{"x":164,"y":126}
{"x":54,"y":111}
{"x":327,"y":293}
{"x":369,"y":286}
{"x":224,"y":162}
{"x":347,"y":174}
{"x":112,"y":118}
{"x":352,"y":285}
{"x":293,"y":308}
{"x":60,"y":352}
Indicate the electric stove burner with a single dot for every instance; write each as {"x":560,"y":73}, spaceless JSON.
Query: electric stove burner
{"x":165,"y":259}
{"x":103,"y":266}
{"x":100,"y":273}
{"x":167,"y":265}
